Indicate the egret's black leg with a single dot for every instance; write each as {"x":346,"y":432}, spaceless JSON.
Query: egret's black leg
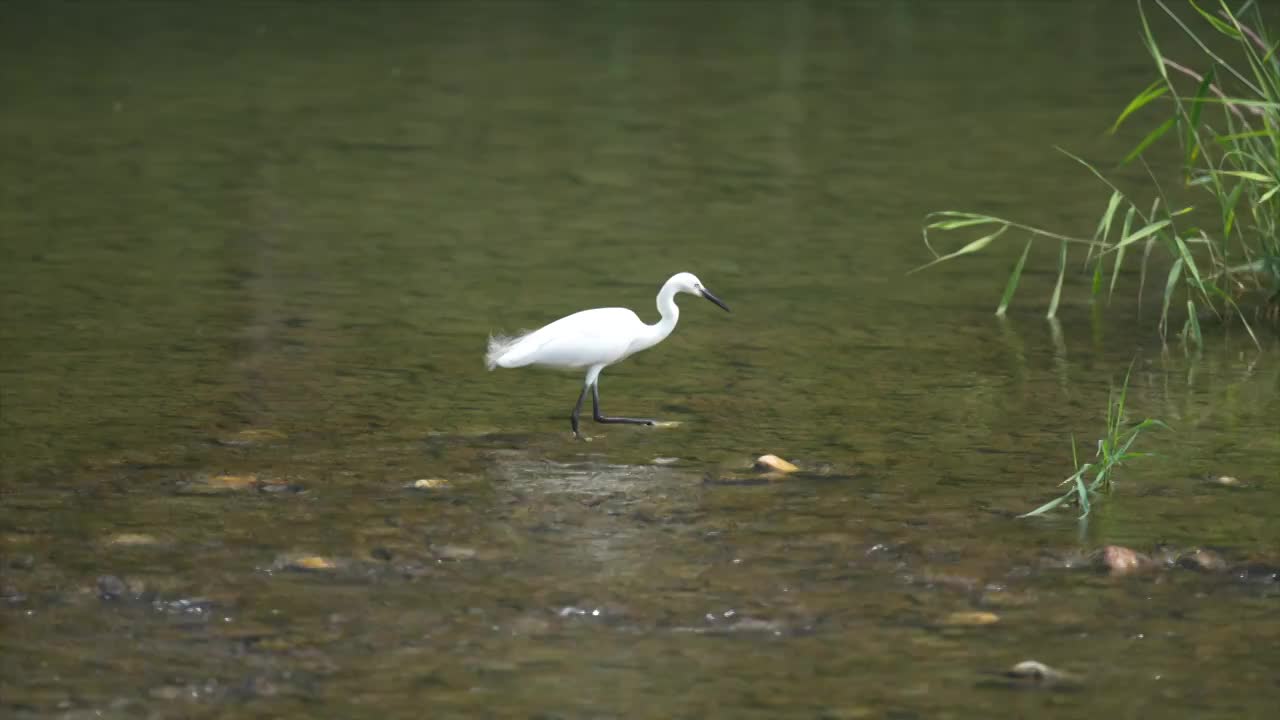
{"x":595,"y":411}
{"x":573,"y":419}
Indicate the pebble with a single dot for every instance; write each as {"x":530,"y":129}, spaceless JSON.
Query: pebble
{"x":530,"y":625}
{"x":1005,"y":598}
{"x":750,"y":624}
{"x":429,"y":484}
{"x":280,"y":486}
{"x":166,"y":692}
{"x":453,"y":552}
{"x":252,"y":437}
{"x":304,"y":562}
{"x":259,"y":686}
{"x":1121,"y":560}
{"x":131,"y":540}
{"x":971,"y":618}
{"x":11,"y":594}
{"x":848,"y":713}
{"x":774,"y":463}
{"x":111,"y":587}
{"x":1258,"y":573}
{"x":24,"y":561}
{"x":1203,"y":560}
{"x":217,"y":484}
{"x":1037,"y":673}
{"x":313,"y":562}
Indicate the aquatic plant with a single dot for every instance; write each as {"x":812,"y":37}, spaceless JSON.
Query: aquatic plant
{"x":1229,"y":132}
{"x":1093,"y":479}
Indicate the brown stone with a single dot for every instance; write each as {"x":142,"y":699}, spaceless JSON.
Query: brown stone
{"x":775,"y":464}
{"x":1120,"y":560}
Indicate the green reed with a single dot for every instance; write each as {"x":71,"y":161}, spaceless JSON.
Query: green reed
{"x":1093,"y":479}
{"x":1229,"y":131}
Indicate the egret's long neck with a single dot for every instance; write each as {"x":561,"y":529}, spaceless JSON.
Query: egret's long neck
{"x":658,"y":331}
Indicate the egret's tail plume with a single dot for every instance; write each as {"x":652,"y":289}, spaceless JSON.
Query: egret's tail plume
{"x":498,"y":345}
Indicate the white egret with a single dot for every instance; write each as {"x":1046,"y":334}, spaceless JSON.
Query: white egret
{"x":596,"y":339}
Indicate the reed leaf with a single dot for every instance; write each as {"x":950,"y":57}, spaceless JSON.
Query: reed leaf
{"x":1012,"y":286}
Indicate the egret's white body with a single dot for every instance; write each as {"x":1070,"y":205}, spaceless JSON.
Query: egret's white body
{"x":595,"y":339}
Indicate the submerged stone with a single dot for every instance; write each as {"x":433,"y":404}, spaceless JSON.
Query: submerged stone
{"x":252,"y":436}
{"x":280,"y":487}
{"x":1203,"y":560}
{"x":217,"y":484}
{"x":1037,"y":673}
{"x":131,"y":540}
{"x":111,"y":587}
{"x":1258,"y":573}
{"x":11,"y":594}
{"x":970,"y":618}
{"x":429,"y":484}
{"x":23,"y":561}
{"x":166,"y":692}
{"x":453,"y":552}
{"x":304,"y":562}
{"x":775,"y":464}
{"x":1119,"y":560}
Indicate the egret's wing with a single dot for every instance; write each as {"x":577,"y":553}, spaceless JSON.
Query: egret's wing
{"x":585,"y":338}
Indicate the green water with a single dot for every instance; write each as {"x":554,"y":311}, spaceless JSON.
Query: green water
{"x":304,"y":221}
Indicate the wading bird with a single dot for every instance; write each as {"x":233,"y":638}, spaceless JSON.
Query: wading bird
{"x":596,"y":339}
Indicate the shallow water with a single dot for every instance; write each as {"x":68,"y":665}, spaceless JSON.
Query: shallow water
{"x":251,"y":257}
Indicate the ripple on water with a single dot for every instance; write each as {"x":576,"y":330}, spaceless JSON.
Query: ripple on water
{"x":524,"y":471}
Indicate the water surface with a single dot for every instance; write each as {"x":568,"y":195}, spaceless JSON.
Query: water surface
{"x":266,"y":242}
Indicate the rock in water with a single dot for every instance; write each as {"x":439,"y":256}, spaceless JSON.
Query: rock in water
{"x":971,"y":618}
{"x":1121,"y":560}
{"x":131,"y":540}
{"x":111,"y":587}
{"x":1204,"y":560}
{"x":303,"y":562}
{"x":217,"y":484}
{"x":775,"y":464}
{"x":1037,"y":673}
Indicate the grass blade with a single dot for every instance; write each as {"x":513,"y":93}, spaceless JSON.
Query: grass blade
{"x":1217,"y":24}
{"x":1194,"y":322}
{"x":1191,"y":142}
{"x":1115,"y":273}
{"x":972,"y":247}
{"x":1047,"y":506}
{"x":1191,"y":263}
{"x":1082,"y":496}
{"x":1057,"y":287}
{"x":1104,"y":224}
{"x":1175,"y":273}
{"x":1012,"y":286}
{"x":1247,"y":175}
{"x":1152,"y":91}
{"x":1151,"y":137}
{"x":1151,"y":229}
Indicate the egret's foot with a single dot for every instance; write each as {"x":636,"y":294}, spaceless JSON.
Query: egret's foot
{"x":624,"y":421}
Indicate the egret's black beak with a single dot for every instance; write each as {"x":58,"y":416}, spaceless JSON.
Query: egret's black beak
{"x":707,"y":294}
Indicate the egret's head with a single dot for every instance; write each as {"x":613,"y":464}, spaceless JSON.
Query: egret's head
{"x":689,"y":283}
